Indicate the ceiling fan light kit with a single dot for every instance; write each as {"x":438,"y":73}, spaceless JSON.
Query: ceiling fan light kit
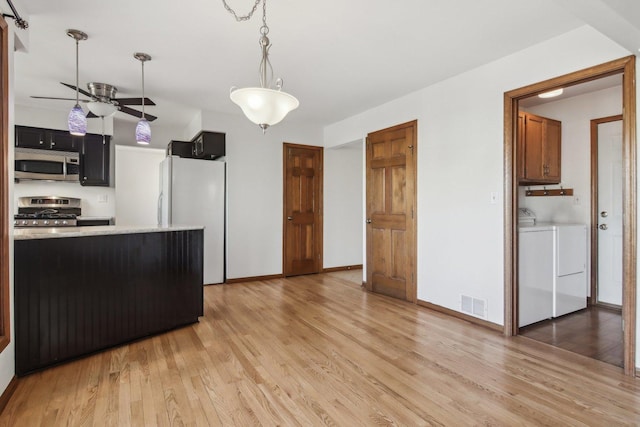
{"x":102,"y":109}
{"x":105,"y":93}
{"x":262,"y":105}
{"x":143,"y":130}
{"x":77,"y":121}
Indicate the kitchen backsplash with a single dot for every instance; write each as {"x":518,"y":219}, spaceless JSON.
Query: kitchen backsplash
{"x":96,"y":201}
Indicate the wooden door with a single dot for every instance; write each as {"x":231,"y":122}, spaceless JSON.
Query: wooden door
{"x":391,"y":211}
{"x":302,"y":250}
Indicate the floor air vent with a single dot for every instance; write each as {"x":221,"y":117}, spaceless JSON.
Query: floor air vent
{"x":473,"y":306}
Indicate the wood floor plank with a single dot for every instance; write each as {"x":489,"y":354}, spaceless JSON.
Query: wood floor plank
{"x":319,"y":350}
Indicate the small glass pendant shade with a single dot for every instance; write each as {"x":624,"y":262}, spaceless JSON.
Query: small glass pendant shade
{"x":77,"y":121}
{"x":143,"y":132}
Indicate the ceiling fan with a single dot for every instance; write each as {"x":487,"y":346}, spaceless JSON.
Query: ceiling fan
{"x":103,"y":101}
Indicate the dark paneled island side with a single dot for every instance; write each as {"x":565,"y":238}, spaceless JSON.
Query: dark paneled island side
{"x":83,"y":290}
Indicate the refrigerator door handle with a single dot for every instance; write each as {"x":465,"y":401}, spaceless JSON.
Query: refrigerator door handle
{"x":159,"y":210}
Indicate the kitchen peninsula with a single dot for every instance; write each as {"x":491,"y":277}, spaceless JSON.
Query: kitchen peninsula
{"x":83,"y":289}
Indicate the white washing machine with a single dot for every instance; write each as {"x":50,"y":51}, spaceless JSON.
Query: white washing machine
{"x":552,"y":270}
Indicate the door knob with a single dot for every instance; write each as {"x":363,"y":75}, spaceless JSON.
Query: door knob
{"x":368,"y":220}
{"x":603,"y":227}
{"x":289,"y":218}
{"x":604,"y":214}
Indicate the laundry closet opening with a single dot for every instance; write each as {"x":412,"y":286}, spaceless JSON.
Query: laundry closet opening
{"x":551,"y":256}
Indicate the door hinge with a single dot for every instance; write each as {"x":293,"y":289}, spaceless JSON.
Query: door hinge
{"x":412,"y":278}
{"x":411,"y":213}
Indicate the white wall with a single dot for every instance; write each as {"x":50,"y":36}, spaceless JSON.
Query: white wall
{"x":137,"y":180}
{"x":343,"y":208}
{"x":57,"y":119}
{"x":125,"y":134}
{"x":254,"y":188}
{"x":460,"y":162}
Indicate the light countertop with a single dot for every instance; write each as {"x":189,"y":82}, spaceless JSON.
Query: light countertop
{"x":101,"y":230}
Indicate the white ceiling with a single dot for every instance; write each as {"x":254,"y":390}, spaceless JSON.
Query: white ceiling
{"x":338,"y":57}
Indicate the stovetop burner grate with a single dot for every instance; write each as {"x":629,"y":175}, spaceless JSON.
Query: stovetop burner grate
{"x":48,"y":211}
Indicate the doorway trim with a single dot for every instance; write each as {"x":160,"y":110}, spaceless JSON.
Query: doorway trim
{"x":626,"y":67}
{"x":5,"y":261}
{"x":593,"y":299}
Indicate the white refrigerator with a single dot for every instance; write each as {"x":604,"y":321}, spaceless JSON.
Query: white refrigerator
{"x":192,"y":192}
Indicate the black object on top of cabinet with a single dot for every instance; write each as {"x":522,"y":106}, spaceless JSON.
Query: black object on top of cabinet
{"x":94,"y":160}
{"x":180,"y":148}
{"x":209,"y":145}
{"x":206,"y":146}
{"x":47,"y":139}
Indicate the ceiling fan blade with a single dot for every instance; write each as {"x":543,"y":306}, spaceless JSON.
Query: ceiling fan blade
{"x":90,"y":115}
{"x":82,"y":91}
{"x":134,"y":101}
{"x":62,"y":99}
{"x":136,"y":113}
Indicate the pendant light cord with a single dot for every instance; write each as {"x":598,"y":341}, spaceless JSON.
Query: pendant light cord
{"x":77,"y":72}
{"x":142,"y":89}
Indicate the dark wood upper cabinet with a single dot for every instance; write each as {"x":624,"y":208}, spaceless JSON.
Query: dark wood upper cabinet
{"x":29,"y":137}
{"x":539,"y":144}
{"x":64,"y":141}
{"x":46,"y":139}
{"x":94,"y":160}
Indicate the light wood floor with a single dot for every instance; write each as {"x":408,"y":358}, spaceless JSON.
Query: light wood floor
{"x":318,"y":350}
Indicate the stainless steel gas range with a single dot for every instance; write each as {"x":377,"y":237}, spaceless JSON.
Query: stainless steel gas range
{"x":47,"y":211}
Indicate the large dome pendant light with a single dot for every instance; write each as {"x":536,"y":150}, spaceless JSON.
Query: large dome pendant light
{"x":262,"y":105}
{"x":77,"y":120}
{"x":143,"y":130}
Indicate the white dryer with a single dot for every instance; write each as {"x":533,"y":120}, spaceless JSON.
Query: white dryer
{"x":552,"y":270}
{"x":570,"y":286}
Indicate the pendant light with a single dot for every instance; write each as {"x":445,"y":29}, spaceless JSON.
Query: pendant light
{"x":262,"y":105}
{"x":143,"y":130}
{"x":77,"y":120}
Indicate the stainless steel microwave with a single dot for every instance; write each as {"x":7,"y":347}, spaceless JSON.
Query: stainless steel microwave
{"x":47,"y":165}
